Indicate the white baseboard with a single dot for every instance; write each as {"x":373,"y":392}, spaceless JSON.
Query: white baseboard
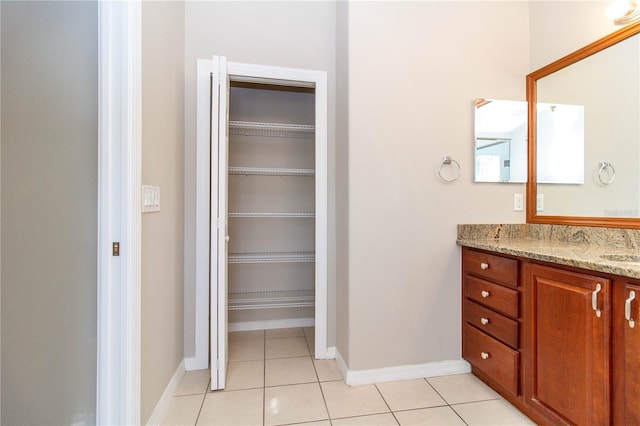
{"x":193,"y":363}
{"x":403,"y":372}
{"x":331,"y":352}
{"x":342,"y":366}
{"x":271,"y":324}
{"x":165,"y":399}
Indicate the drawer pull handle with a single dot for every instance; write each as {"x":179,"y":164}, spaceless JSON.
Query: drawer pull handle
{"x":627,"y":308}
{"x":484,"y":355}
{"x":594,"y":300}
{"x":484,"y":265}
{"x":485,"y":293}
{"x":484,"y":321}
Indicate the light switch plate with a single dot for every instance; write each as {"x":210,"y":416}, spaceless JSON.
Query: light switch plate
{"x":150,"y":199}
{"x":518,"y":202}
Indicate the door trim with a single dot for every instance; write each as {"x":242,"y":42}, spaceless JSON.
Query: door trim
{"x":203,"y":168}
{"x":119,"y":213}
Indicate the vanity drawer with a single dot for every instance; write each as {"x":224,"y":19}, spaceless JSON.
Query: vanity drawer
{"x":495,"y":268}
{"x":492,"y":323}
{"x":492,"y":295}
{"x":495,"y":359}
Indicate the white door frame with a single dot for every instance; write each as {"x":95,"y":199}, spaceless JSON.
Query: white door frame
{"x":203,"y":169}
{"x":119,"y":213}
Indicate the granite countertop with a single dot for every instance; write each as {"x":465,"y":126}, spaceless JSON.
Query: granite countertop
{"x":581,"y":247}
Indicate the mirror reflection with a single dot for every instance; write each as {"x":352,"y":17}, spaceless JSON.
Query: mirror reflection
{"x":560,"y":138}
{"x":500,"y":140}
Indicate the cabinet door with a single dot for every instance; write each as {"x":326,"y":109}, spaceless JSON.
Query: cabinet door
{"x":566,"y":345}
{"x":626,"y":365}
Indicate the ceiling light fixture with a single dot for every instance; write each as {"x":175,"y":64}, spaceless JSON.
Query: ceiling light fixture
{"x":623,"y":12}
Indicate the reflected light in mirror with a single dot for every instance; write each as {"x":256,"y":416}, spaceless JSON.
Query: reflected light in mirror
{"x":500,"y":145}
{"x":623,"y":12}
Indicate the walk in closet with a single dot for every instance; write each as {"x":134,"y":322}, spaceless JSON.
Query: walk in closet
{"x":268,"y":200}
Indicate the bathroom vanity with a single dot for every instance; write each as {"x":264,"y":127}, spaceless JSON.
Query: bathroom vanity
{"x":550,"y":319}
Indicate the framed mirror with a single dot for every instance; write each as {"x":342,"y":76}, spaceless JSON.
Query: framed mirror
{"x":500,"y":146}
{"x":584,"y":164}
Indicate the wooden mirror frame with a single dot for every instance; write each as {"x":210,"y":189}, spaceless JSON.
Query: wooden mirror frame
{"x":532,"y":216}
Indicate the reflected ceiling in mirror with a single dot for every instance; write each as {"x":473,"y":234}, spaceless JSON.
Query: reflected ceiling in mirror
{"x":500,"y":148}
{"x":602,"y":80}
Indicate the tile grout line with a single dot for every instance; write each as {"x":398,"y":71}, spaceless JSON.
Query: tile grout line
{"x":386,"y":403}
{"x":446,"y":402}
{"x":204,"y":396}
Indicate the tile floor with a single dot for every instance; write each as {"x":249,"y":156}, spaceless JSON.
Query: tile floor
{"x":273,"y":380}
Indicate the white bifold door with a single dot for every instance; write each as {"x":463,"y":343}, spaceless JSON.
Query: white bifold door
{"x":267,"y":233}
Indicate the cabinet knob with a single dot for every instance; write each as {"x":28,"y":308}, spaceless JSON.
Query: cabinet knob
{"x":484,"y":265}
{"x":627,"y":308}
{"x":485,"y":293}
{"x":484,"y":321}
{"x":484,"y":355}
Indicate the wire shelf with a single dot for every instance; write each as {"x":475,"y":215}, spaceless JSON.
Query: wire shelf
{"x":257,"y":171}
{"x":272,"y":257}
{"x":268,"y":299}
{"x":270,"y":215}
{"x":275,"y":130}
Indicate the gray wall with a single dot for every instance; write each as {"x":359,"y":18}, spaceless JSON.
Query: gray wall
{"x":49,"y":211}
{"x":162,"y":165}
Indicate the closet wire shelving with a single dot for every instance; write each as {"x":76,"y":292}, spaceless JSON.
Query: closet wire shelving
{"x":283,"y":298}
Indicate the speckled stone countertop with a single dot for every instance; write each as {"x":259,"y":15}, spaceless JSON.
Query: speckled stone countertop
{"x":578,"y":246}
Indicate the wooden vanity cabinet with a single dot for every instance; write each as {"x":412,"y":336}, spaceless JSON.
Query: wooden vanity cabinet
{"x":562,"y":344}
{"x":626,"y":352}
{"x":567,"y":323}
{"x":491,"y":308}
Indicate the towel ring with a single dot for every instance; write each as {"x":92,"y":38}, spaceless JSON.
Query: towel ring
{"x":612,"y":176}
{"x":447,"y":160}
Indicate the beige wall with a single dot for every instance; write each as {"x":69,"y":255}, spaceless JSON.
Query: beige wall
{"x":342,"y":178}
{"x":49,"y":211}
{"x":163,"y":166}
{"x":414,"y":70}
{"x":289,"y":34}
{"x":558,"y":28}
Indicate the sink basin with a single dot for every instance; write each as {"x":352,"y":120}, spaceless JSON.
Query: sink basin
{"x":632,"y":258}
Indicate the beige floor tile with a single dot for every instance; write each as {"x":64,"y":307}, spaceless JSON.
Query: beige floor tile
{"x":311,"y":344}
{"x":386,"y":419}
{"x":320,"y":423}
{"x":435,"y":416}
{"x":243,"y":407}
{"x":289,"y":371}
{"x":183,"y":410}
{"x":409,"y":394}
{"x":286,"y":347}
{"x":278,"y":333}
{"x":294,"y":404}
{"x":246,"y":350}
{"x":461,"y":388}
{"x":245,"y":375}
{"x":350,"y":401}
{"x":194,"y":382}
{"x":235,"y":336}
{"x":327,"y":370}
{"x":495,"y":412}
{"x":309,"y":331}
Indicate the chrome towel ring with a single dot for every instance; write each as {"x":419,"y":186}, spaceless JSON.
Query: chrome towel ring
{"x":611,"y":174}
{"x":447,"y":160}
